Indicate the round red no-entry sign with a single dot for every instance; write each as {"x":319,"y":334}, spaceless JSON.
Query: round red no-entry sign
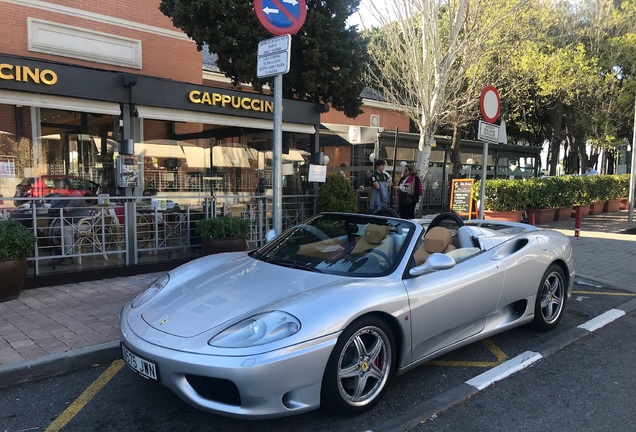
{"x":281,"y":17}
{"x":490,"y":104}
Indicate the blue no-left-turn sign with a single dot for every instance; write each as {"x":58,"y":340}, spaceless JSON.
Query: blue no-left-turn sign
{"x":281,"y":17}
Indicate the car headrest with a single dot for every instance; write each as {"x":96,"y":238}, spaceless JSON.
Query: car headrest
{"x":437,"y":239}
{"x":374,"y":234}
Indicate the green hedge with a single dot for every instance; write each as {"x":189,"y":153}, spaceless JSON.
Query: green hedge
{"x":551,"y":192}
{"x":223,"y":227}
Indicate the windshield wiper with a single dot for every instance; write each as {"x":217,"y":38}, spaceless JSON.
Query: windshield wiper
{"x":295,"y":264}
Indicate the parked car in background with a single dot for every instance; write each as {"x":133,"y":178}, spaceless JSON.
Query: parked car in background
{"x":35,"y":187}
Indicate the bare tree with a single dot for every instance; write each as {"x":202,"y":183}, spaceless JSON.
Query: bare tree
{"x":422,"y":54}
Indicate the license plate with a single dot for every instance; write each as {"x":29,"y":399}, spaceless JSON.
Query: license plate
{"x":143,"y":367}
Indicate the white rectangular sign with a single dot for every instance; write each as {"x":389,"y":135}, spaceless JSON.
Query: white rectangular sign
{"x":273,"y":56}
{"x":274,"y":64}
{"x":488,"y":132}
{"x":317,"y":173}
{"x":274,"y":45}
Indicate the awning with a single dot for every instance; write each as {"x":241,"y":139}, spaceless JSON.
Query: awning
{"x":229,"y":157}
{"x":11,"y":97}
{"x":293,"y":156}
{"x":157,"y":113}
{"x":159,"y":150}
{"x":197,"y":157}
{"x":351,"y":133}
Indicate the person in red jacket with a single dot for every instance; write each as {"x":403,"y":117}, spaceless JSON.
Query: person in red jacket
{"x":409,"y":192}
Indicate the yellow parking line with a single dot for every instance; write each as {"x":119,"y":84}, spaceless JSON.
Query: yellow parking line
{"x":501,"y":357}
{"x":70,"y":412}
{"x":623,"y":294}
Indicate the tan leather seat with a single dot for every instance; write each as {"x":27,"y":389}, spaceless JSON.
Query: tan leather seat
{"x":436,"y":240}
{"x":373,"y":236}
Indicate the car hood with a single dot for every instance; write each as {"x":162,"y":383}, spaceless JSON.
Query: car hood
{"x":231,"y":291}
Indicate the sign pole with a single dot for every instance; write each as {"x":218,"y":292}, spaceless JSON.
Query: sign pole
{"x":632,"y":174}
{"x":490,"y":106}
{"x":278,"y":154}
{"x":282,"y":19}
{"x":484,"y":172}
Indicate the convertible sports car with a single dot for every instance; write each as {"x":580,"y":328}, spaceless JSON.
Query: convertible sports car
{"x":327,"y":312}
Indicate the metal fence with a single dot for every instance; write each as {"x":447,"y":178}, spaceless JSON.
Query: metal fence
{"x":87,"y":232}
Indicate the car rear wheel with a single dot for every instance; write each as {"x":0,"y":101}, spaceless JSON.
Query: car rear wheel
{"x":550,"y":302}
{"x":359,"y":368}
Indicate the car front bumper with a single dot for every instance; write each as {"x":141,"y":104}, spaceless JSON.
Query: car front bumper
{"x":272,"y":384}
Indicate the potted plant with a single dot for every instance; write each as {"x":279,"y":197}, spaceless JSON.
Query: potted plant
{"x":581,"y":197}
{"x":223,"y":234}
{"x":614,"y":194}
{"x":541,"y":206}
{"x":16,"y":244}
{"x":622,"y":190}
{"x":564,"y":199}
{"x":336,"y":195}
{"x":505,"y":199}
{"x":599,"y":187}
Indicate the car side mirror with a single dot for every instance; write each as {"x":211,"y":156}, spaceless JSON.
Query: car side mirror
{"x":435,"y":262}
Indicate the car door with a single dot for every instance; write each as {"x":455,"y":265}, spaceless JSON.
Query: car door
{"x":450,"y":305}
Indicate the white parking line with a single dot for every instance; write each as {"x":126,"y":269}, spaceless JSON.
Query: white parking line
{"x":601,"y":320}
{"x":500,"y":372}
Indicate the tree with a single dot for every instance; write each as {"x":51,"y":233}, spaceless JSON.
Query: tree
{"x":489,"y":67}
{"x":328,"y":58}
{"x":422,"y":53}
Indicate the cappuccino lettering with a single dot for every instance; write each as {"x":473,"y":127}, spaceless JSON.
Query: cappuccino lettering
{"x":26,"y":74}
{"x":238,"y":102}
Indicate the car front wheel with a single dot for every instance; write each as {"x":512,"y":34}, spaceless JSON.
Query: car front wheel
{"x":550,"y":302}
{"x":359,"y":368}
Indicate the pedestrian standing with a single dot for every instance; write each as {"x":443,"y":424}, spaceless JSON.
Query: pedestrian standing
{"x":590,"y":169}
{"x":382,"y":184}
{"x":409,"y":192}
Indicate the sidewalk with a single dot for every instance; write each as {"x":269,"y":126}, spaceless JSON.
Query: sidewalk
{"x":51,"y":330}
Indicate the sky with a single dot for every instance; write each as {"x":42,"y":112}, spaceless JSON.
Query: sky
{"x":362,"y":16}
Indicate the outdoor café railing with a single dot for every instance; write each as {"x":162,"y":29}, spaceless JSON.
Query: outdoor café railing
{"x":94,"y":232}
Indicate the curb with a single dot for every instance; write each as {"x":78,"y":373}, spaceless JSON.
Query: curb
{"x":440,"y":403}
{"x":57,"y":364}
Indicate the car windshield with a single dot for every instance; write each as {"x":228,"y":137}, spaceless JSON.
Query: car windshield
{"x":341,"y":244}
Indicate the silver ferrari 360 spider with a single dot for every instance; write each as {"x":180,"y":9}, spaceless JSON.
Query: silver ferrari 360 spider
{"x":329,"y":311}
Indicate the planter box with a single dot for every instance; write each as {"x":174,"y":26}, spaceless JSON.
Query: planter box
{"x":510,"y":216}
{"x":214,"y":246}
{"x":13,"y":274}
{"x":563,"y":213}
{"x":541,"y":216}
{"x":624,"y":204}
{"x":597,"y":208}
{"x":612,"y":205}
{"x":584,"y":209}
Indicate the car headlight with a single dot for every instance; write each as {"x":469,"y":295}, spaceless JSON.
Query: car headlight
{"x":260,"y":329}
{"x":150,"y":291}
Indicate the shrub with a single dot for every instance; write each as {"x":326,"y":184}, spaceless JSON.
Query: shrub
{"x":542,"y":193}
{"x":503,"y":194}
{"x":16,"y":240}
{"x":336,"y":195}
{"x":621,"y":186}
{"x":223,"y":227}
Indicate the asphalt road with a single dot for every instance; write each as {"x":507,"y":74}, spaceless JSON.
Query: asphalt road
{"x":588,"y":385}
